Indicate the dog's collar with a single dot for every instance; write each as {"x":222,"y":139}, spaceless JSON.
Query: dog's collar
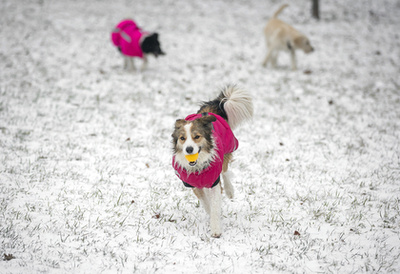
{"x":214,"y":184}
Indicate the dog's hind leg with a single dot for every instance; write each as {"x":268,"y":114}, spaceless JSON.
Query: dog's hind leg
{"x":274,"y":59}
{"x":268,"y":57}
{"x":144,"y":65}
{"x":202,"y":198}
{"x":226,"y":176}
{"x":215,"y":197}
{"x":132,"y":63}
{"x":228,"y":187}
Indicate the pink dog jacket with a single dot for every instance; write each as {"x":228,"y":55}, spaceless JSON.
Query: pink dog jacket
{"x":126,"y":36}
{"x":225,"y":143}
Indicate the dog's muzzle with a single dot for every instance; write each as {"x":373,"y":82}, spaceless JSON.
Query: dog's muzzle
{"x":192,"y":158}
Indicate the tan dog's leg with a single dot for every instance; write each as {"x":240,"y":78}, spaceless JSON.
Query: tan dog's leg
{"x":268,"y":57}
{"x":293,"y":58}
{"x":271,"y":57}
{"x":274,"y":59}
{"x":202,"y":198}
{"x":215,"y":197}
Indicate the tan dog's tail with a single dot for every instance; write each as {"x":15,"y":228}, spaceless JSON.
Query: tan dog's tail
{"x":279,"y":10}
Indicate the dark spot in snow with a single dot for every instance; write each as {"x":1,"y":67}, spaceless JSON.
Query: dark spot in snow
{"x":287,"y":160}
{"x":330,"y":102}
{"x":127,"y":139}
{"x":307,"y":71}
{"x":280,"y":143}
{"x":8,"y":257}
{"x":296,"y":233}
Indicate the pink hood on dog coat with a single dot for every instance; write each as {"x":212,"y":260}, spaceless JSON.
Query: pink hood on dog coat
{"x":126,"y":36}
{"x":225,"y":142}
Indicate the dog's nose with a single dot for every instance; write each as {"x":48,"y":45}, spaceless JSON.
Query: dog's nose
{"x":189,"y":150}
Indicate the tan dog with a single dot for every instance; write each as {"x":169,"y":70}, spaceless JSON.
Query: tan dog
{"x":281,"y":36}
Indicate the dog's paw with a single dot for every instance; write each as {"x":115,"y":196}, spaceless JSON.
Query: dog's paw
{"x":229,"y":192}
{"x":216,"y":235}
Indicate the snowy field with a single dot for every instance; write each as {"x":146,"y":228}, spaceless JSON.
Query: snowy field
{"x":86,"y":183}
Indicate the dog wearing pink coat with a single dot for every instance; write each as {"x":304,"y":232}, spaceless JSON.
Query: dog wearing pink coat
{"x":203,"y":145}
{"x":133,"y":42}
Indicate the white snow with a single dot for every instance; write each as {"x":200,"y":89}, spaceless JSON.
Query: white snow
{"x":86,"y":183}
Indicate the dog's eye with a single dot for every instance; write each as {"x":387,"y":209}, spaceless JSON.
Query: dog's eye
{"x":196,"y":137}
{"x":182,"y":138}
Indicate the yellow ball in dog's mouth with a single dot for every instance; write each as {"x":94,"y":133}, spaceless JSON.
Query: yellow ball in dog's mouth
{"x":192,"y":157}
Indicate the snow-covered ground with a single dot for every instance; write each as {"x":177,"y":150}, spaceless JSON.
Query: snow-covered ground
{"x":86,"y":183}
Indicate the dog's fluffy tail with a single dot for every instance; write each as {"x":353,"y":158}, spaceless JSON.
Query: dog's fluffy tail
{"x":279,"y":10}
{"x":237,"y":104}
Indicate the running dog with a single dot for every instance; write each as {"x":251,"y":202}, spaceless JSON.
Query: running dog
{"x":280,"y":36}
{"x":202,"y":148}
{"x":132,"y":42}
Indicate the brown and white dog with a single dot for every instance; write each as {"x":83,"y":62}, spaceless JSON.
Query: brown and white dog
{"x":280,"y":36}
{"x":203,"y":144}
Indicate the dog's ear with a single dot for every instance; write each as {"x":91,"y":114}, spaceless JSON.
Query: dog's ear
{"x":180,"y":123}
{"x":205,"y":120}
{"x":155,"y":35}
{"x":302,"y":42}
{"x":299,"y":41}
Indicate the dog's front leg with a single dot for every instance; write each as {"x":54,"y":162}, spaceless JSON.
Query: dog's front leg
{"x":293,"y":58}
{"x":125,"y":62}
{"x":199,"y":192}
{"x":274,"y":59}
{"x":132,"y":64}
{"x":129,"y":63}
{"x":215,"y":198}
